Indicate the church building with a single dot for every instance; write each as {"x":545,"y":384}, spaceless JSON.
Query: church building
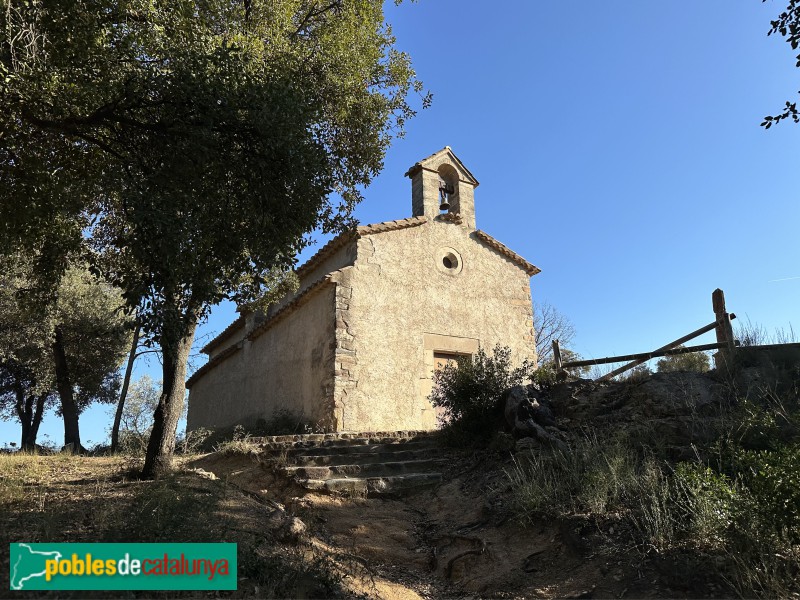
{"x":378,"y":309}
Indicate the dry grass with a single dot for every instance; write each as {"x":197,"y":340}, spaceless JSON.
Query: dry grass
{"x":64,"y":498}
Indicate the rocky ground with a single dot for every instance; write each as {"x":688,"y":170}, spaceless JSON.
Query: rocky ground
{"x":460,"y":538}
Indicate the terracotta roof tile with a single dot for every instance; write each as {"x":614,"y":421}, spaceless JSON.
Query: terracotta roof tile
{"x":529,"y":268}
{"x":224,"y":335}
{"x":228,"y":352}
{"x":289,"y":307}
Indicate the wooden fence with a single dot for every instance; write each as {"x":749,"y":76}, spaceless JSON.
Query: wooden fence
{"x":721,"y":323}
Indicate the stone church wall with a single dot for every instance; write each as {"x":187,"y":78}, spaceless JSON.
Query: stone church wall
{"x":287,"y":367}
{"x":402,"y":304}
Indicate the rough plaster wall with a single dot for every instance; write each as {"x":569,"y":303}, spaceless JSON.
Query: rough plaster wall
{"x":399,"y":293}
{"x":231,"y":341}
{"x":212,"y":397}
{"x":289,"y":367}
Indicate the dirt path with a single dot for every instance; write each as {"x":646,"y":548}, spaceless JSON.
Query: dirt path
{"x":454,"y":540}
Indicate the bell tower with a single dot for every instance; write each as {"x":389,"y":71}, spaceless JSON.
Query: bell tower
{"x":443,"y":188}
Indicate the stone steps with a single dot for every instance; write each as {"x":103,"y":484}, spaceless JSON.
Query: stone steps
{"x":364,"y":463}
{"x":396,"y":485}
{"x":365,"y":457}
{"x":371,"y":469}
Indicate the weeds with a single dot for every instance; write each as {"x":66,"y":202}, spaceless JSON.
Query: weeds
{"x":238,"y":444}
{"x":738,"y":501}
{"x":755,"y":334}
{"x":593,"y":476}
{"x":295,"y":573}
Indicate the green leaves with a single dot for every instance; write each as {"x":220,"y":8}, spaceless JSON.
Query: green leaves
{"x":788,"y":26}
{"x":206,"y":137}
{"x":470,"y":390}
{"x":185,"y":148}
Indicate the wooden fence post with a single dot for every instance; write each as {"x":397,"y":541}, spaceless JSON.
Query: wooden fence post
{"x":724,"y":329}
{"x":557,"y":356}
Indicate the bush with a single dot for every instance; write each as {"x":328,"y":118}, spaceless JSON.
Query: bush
{"x":709,"y":501}
{"x":470,"y":390}
{"x":192,"y":442}
{"x":692,"y":362}
{"x":285,"y":422}
{"x":773,"y":480}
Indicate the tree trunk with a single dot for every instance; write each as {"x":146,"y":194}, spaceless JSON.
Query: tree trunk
{"x":31,"y":417}
{"x":33,"y":430}
{"x":124,"y":391}
{"x":69,"y":409}
{"x":24,"y":406}
{"x":175,"y":354}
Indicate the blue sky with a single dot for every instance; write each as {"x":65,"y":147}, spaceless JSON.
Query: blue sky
{"x":618,"y":148}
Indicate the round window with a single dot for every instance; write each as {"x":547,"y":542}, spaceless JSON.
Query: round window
{"x":449,"y":261}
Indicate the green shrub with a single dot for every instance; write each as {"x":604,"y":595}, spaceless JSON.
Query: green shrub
{"x":773,"y":480}
{"x":708,"y":501}
{"x":545,"y":376}
{"x":693,"y":362}
{"x":469,"y":391}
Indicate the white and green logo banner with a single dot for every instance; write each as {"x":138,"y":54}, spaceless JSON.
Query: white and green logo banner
{"x":123,"y":566}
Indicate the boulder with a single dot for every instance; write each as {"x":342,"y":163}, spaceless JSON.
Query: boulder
{"x":527,"y":414}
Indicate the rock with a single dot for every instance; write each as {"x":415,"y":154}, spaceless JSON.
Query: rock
{"x":527,"y":444}
{"x":276,"y":519}
{"x":502,"y":442}
{"x":284,"y":526}
{"x":530,"y":428}
{"x":292,"y":529}
{"x":203,"y":473}
{"x":528,"y":417}
{"x":522,"y":404}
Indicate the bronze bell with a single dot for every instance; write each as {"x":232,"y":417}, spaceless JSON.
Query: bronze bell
{"x":444,"y":192}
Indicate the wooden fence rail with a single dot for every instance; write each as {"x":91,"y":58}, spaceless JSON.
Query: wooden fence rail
{"x":721,"y":323}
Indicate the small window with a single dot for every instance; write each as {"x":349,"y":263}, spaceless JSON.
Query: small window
{"x":449,"y":261}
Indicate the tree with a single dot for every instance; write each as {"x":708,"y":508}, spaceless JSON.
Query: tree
{"x":123,"y":393}
{"x":71,"y":345}
{"x":696,"y":362}
{"x":26,"y":364}
{"x":21,"y":398}
{"x":788,"y":26}
{"x":637,"y":374}
{"x":549,"y":324}
{"x":137,"y":414}
{"x":90,"y":336}
{"x":191,"y":146}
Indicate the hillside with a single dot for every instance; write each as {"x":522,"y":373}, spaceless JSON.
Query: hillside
{"x":612,"y":516}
